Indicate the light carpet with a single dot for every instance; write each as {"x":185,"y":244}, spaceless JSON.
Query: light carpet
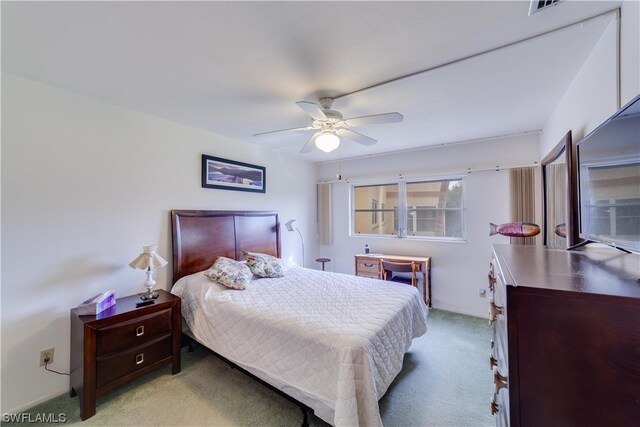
{"x":445,"y":381}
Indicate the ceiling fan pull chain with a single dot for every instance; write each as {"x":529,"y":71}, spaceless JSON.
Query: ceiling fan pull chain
{"x":339,"y":176}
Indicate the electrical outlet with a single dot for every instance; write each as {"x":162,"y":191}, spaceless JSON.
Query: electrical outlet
{"x":482,"y":293}
{"x":46,"y":356}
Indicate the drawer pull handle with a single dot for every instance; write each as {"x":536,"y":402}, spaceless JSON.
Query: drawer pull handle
{"x":140,"y":331}
{"x":492,"y":361}
{"x":139,"y":358}
{"x":494,"y":311}
{"x":368,"y":265}
{"x":499,"y":380}
{"x":493,"y":344}
{"x":492,"y":281}
{"x":495,"y":408}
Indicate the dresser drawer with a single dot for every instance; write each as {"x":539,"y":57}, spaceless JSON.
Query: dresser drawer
{"x":499,"y":358}
{"x":498,"y":306}
{"x":116,"y":365}
{"x":133,"y":332}
{"x":500,"y":408}
{"x":368,"y":268}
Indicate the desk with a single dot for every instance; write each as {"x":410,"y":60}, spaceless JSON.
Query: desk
{"x":370,"y":265}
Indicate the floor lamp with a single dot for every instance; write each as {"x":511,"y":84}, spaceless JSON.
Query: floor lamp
{"x":290,"y":228}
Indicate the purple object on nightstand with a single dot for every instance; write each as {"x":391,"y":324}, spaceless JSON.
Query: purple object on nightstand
{"x":97,"y":304}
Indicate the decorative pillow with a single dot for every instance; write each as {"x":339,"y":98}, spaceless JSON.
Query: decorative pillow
{"x":230,"y":273}
{"x":263,"y":265}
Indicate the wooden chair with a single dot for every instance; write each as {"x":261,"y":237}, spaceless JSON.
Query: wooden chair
{"x":388,"y":268}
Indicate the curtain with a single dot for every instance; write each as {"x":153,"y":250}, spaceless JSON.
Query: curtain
{"x":324,"y":214}
{"x":523,"y":200}
{"x":556,"y":189}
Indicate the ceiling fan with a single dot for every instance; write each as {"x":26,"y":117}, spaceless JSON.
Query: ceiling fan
{"x":330,"y":126}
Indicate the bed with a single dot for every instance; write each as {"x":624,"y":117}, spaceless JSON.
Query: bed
{"x":331,"y":342}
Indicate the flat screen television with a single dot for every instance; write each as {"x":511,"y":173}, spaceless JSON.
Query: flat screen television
{"x":608,"y":164}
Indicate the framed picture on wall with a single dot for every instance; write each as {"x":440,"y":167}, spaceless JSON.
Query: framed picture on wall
{"x":228,"y":174}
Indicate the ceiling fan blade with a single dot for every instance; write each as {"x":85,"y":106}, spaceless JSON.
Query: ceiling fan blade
{"x":375,"y":119}
{"x":312,"y":109}
{"x":355,"y":136}
{"x":310,"y":144}
{"x":282,"y":131}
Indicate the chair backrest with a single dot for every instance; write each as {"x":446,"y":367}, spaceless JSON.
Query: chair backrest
{"x":399,"y":267}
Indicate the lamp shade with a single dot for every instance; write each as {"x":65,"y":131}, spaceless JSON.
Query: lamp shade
{"x":327,"y":141}
{"x":148,"y":259}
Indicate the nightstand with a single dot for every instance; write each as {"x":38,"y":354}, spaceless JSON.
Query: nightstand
{"x":122,"y":343}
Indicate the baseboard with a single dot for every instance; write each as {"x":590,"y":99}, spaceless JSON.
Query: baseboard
{"x":27,"y":406}
{"x":458,"y":310}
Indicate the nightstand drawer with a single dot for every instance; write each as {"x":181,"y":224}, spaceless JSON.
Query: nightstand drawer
{"x":368,"y":268}
{"x":116,"y":365}
{"x":133,"y":332}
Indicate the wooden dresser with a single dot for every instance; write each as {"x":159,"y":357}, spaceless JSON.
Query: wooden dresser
{"x":566,"y":336}
{"x":122,"y":343}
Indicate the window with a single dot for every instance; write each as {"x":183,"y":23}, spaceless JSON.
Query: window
{"x":616,"y":218}
{"x":370,"y":203}
{"x":429,"y":209}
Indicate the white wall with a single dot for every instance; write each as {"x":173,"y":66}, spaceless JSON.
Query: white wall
{"x":629,"y":51}
{"x":84,"y":185}
{"x":593,"y":95}
{"x":459,"y":269}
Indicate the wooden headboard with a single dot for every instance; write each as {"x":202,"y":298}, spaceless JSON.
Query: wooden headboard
{"x":199,"y":237}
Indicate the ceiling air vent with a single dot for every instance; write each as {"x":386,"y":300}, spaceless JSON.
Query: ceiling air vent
{"x":538,"y":5}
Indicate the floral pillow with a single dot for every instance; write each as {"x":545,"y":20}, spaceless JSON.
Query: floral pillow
{"x":263,"y":265}
{"x":230,"y":273}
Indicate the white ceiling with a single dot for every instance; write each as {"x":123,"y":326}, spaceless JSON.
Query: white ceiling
{"x":237,"y":68}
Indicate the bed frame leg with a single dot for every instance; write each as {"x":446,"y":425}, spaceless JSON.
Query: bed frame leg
{"x":305,"y":417}
{"x":186,"y":340}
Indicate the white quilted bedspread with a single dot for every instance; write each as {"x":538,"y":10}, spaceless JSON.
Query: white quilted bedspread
{"x":333,"y":341}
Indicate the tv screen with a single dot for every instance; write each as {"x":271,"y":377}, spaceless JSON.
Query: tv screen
{"x":609,"y":180}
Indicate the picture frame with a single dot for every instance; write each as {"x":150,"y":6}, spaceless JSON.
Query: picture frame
{"x":225,"y":174}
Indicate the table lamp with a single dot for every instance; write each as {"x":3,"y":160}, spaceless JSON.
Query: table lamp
{"x":148,"y":260}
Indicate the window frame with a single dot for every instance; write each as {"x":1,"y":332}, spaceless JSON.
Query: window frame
{"x":403,"y":209}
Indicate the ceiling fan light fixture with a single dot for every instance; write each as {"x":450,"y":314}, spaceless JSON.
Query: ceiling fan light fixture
{"x":327,"y":141}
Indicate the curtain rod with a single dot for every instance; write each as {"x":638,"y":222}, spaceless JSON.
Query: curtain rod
{"x":431,"y":147}
{"x":412,"y":177}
